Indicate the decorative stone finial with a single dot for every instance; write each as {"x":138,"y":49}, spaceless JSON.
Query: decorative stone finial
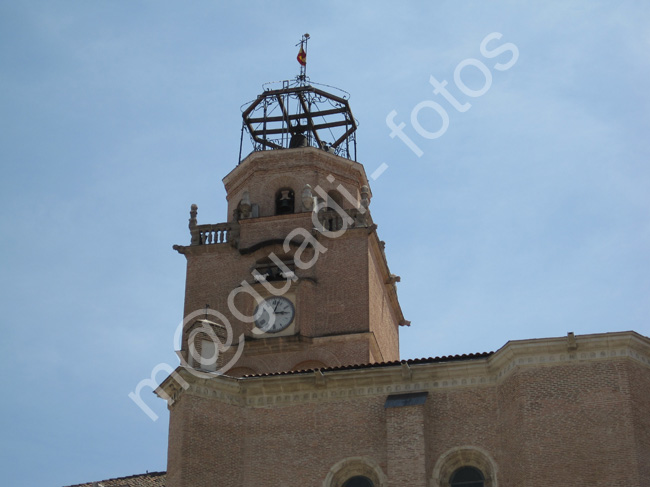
{"x":193,"y":212}
{"x":195,"y":237}
{"x":365,"y":196}
{"x":245,"y":205}
{"x":307,"y":198}
{"x":571,"y":341}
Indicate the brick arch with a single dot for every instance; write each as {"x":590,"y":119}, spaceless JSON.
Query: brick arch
{"x":353,"y":466}
{"x":279,"y":182}
{"x":283,"y":180}
{"x":464,"y":456}
{"x":260,"y":251}
{"x":263,"y":189}
{"x":336,"y":196}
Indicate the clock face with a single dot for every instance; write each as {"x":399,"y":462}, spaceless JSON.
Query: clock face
{"x":275,"y":314}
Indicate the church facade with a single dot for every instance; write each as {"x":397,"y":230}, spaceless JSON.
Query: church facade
{"x":559,"y":411}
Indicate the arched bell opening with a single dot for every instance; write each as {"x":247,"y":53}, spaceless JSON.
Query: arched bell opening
{"x":284,"y":201}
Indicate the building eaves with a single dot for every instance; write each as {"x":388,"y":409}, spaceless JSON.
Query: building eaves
{"x":429,"y":360}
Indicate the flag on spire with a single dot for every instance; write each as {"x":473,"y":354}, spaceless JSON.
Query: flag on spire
{"x":302,"y":56}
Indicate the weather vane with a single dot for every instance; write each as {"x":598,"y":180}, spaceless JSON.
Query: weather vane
{"x":302,"y":59}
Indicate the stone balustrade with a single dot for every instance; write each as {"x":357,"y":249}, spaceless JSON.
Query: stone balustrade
{"x":217,"y":233}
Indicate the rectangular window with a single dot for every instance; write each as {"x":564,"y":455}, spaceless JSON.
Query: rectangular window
{"x":401,"y":400}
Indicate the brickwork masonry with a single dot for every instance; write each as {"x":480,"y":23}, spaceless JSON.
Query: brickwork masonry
{"x":539,"y":410}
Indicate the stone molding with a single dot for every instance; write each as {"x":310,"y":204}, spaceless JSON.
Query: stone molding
{"x":366,"y":381}
{"x":352,"y":466}
{"x":553,"y":351}
{"x":322,"y":162}
{"x":462,"y":456}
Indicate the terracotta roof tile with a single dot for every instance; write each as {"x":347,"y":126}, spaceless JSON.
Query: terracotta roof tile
{"x":151,"y":479}
{"x":429,"y":360}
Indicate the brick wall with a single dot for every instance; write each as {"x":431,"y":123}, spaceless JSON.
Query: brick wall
{"x":525,"y":422}
{"x":333,"y":297}
{"x":383,"y":318}
{"x":570,"y":421}
{"x":639,"y":389}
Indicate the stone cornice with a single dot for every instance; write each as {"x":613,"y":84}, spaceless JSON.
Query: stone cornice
{"x":258,"y":161}
{"x":408,"y":376}
{"x":550,"y":351}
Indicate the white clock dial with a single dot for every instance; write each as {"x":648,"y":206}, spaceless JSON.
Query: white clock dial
{"x":274,"y":314}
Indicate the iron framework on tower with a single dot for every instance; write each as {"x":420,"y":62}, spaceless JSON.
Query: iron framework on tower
{"x":301,"y":115}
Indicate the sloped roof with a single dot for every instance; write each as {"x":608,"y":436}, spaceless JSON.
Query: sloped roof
{"x":429,"y":360}
{"x":150,"y":479}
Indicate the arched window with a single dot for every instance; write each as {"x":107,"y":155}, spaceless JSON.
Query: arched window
{"x":284,"y":201}
{"x":356,"y":472}
{"x":467,"y":477}
{"x":465,"y":466}
{"x":358,"y":481}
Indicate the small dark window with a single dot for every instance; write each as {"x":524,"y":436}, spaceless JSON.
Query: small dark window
{"x":284,"y":201}
{"x":358,"y":481}
{"x":467,"y":477}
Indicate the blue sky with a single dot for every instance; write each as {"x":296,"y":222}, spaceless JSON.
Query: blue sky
{"x":528,"y":218}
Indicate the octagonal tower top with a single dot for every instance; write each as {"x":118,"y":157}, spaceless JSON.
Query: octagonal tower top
{"x":298,"y":114}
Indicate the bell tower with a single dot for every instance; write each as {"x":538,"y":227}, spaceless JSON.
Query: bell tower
{"x":296,"y":277}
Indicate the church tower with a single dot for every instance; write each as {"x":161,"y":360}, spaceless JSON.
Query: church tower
{"x":296,"y":278}
{"x":289,"y":370}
